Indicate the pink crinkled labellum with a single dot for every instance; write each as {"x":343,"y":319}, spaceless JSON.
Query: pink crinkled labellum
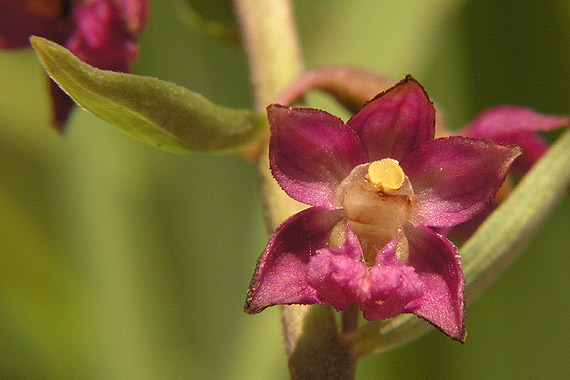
{"x":377,"y":185}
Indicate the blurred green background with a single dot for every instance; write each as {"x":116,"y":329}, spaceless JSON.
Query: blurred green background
{"x":120,"y":261}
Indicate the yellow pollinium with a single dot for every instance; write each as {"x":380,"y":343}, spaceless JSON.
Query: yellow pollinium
{"x":386,"y":175}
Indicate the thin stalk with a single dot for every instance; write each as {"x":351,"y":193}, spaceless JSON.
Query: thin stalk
{"x":314,"y":349}
{"x":272,"y":46}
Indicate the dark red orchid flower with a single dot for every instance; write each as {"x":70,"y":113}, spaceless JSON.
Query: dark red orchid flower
{"x":377,"y":186}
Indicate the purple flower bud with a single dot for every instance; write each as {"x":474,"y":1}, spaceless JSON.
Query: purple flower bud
{"x":100,"y":32}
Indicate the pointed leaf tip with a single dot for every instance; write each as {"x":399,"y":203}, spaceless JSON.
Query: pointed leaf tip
{"x":154,"y":111}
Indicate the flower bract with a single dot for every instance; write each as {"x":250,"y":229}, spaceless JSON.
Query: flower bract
{"x":377,"y":186}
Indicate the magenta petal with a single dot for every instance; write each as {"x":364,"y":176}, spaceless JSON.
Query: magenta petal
{"x":310,"y":153}
{"x":135,"y":14}
{"x":394,"y":289}
{"x":437,"y":262}
{"x":101,"y":37}
{"x":396,"y":121}
{"x":351,"y":247}
{"x":533,"y":147}
{"x":508,"y":120}
{"x":280,"y":275}
{"x":455,"y":178}
{"x":516,"y":125}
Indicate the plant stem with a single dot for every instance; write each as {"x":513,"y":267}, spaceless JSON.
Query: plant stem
{"x":314,"y":349}
{"x":274,"y":56}
{"x":350,"y":318}
{"x":272,"y":47}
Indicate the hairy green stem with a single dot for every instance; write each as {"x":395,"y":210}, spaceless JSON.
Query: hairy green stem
{"x":272,"y":47}
{"x":313,"y":346}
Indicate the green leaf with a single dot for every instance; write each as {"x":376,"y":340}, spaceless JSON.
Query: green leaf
{"x":154,"y":111}
{"x":491,"y":249}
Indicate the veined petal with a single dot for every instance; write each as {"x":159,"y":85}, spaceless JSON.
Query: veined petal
{"x":516,"y":125}
{"x":454,"y":178}
{"x":437,"y":262}
{"x":396,"y":121}
{"x":310,"y":153}
{"x":280,"y":275}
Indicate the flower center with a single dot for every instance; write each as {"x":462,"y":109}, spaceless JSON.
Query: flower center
{"x":378,"y":200}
